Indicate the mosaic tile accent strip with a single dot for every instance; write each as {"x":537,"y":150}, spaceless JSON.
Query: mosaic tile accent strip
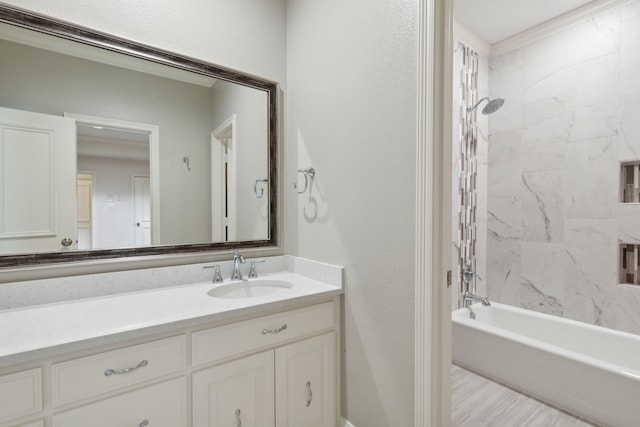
{"x":467,"y":231}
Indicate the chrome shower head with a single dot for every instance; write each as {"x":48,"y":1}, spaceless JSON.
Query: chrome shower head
{"x":492,"y":106}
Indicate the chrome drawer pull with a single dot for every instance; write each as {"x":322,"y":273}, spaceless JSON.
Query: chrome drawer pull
{"x":238,"y":417}
{"x":309,"y":394}
{"x":110,"y":372}
{"x":274,"y":331}
{"x":144,"y":423}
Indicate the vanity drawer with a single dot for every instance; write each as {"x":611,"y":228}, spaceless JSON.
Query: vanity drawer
{"x":20,"y":394}
{"x":88,"y":376}
{"x":222,"y":342}
{"x":161,"y":405}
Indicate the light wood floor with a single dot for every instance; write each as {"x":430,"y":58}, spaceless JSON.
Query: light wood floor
{"x":479,"y":402}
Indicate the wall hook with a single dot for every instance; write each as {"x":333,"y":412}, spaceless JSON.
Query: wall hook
{"x":308,"y":174}
{"x":186,"y":160}
{"x":255,"y":188}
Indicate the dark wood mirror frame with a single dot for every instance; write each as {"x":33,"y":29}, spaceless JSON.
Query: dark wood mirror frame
{"x":17,"y":17}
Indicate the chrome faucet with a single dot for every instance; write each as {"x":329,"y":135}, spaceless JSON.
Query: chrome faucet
{"x":468,"y":296}
{"x":217,"y":275}
{"x":253,"y":273}
{"x":237,"y":260}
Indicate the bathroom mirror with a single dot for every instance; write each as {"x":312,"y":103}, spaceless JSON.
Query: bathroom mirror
{"x":110,"y":148}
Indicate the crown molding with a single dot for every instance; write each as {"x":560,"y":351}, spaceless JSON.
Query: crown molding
{"x":554,"y":25}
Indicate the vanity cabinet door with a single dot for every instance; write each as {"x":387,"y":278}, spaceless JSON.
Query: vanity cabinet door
{"x":159,"y":405}
{"x":306,"y":383}
{"x":238,"y":393}
{"x":20,"y":394}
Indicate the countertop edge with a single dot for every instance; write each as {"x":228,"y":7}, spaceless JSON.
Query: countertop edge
{"x":48,"y":352}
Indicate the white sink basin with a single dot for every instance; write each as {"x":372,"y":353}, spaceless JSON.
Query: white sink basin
{"x":250,"y":289}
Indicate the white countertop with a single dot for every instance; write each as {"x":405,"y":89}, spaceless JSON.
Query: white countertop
{"x":38,"y":332}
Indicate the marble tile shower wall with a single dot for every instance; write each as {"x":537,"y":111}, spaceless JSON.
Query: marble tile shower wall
{"x":572,"y":114}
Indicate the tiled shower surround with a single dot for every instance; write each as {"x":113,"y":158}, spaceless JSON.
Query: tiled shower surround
{"x":555,"y":221}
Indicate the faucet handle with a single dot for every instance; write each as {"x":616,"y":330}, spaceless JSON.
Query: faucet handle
{"x":217,"y":274}
{"x":468,"y":274}
{"x":252,"y":269}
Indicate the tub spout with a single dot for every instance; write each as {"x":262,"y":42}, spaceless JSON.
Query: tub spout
{"x":468,"y":296}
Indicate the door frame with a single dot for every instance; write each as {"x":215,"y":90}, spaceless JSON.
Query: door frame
{"x":217,"y":172}
{"x":154,"y":159}
{"x":433,"y":215}
{"x":94,"y":202}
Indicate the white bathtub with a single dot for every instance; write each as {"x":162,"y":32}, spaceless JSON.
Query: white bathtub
{"x":587,"y":370}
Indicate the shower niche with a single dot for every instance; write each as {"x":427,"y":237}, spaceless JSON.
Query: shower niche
{"x":629,"y":264}
{"x":630,"y":182}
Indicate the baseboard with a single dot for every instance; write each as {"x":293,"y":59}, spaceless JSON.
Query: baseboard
{"x":344,"y":423}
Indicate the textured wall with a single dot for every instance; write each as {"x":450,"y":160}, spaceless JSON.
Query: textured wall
{"x":351,"y":70}
{"x":570,"y":118}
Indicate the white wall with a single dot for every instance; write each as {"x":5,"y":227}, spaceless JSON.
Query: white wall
{"x":251,"y":151}
{"x":113,"y":220}
{"x":351,"y":115}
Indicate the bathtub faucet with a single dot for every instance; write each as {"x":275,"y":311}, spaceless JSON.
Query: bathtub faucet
{"x":468,"y":296}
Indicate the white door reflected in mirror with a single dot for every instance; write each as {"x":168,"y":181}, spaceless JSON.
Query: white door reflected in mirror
{"x":142,"y":209}
{"x":38,"y":182}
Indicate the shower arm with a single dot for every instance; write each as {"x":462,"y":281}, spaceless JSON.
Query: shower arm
{"x":470,"y":109}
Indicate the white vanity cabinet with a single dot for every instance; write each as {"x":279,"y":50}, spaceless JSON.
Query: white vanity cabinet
{"x":20,"y":394}
{"x":237,"y":393}
{"x":89,"y":376}
{"x":274,"y":370}
{"x":293,"y":383}
{"x":159,"y":405}
{"x":305,"y":383}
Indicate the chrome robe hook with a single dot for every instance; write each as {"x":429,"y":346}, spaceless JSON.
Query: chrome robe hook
{"x":255,"y":188}
{"x":308,"y":175}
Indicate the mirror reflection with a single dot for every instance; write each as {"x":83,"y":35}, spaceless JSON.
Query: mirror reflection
{"x":100,"y":150}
